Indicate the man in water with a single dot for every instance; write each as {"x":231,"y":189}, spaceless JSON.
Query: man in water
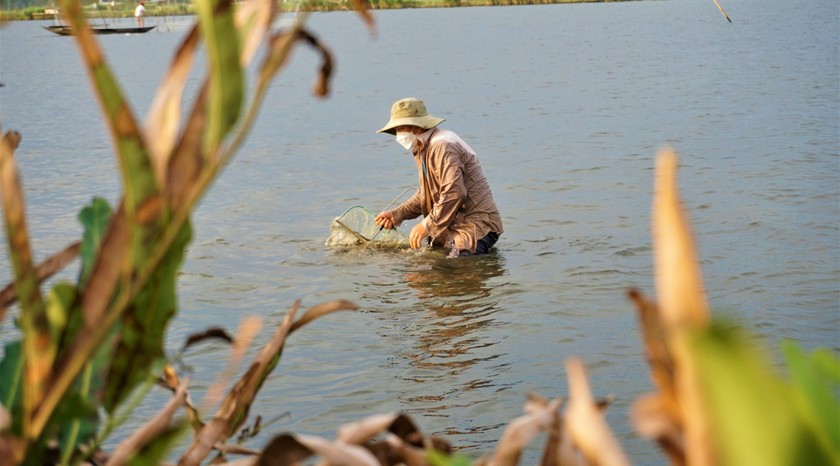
{"x":139,"y":14}
{"x":454,"y":198}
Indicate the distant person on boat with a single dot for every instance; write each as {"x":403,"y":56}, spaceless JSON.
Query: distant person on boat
{"x":454,"y":198}
{"x":139,"y":14}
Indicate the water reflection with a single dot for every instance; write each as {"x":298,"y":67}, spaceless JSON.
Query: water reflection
{"x":453,"y":361}
{"x":464,"y":278}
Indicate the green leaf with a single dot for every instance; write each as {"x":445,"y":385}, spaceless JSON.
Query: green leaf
{"x":59,"y":301}
{"x":752,"y":410}
{"x":815,"y":382}
{"x":94,"y":218}
{"x":144,"y":325}
{"x":11,"y":375}
{"x":437,"y":458}
{"x":76,"y":419}
{"x":226,"y":75}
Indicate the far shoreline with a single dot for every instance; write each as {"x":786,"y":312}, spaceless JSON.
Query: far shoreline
{"x":155,"y":9}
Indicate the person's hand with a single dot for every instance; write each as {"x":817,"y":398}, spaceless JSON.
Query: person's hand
{"x":415,"y":238}
{"x":385,"y":220}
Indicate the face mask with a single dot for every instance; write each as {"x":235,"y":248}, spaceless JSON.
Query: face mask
{"x":406,"y":139}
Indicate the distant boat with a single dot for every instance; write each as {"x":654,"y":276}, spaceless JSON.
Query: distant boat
{"x":63,"y":30}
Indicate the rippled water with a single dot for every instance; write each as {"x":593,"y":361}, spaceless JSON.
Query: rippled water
{"x":566,"y":106}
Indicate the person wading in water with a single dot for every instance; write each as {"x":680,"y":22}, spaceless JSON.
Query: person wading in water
{"x":454,"y":198}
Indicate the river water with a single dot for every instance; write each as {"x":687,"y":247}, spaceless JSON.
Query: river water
{"x":566,"y":106}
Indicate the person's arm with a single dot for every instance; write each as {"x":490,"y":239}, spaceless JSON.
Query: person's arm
{"x":408,"y":209}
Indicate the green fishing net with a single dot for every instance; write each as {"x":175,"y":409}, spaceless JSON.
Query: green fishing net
{"x":356,"y":227}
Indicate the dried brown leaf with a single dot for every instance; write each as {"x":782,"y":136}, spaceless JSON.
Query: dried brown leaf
{"x":213,"y":333}
{"x":363,"y":8}
{"x":335,"y":453}
{"x":659,"y":356}
{"x":11,"y":141}
{"x":566,"y":453}
{"x":171,"y":381}
{"x":252,"y":461}
{"x":255,"y":18}
{"x":248,"y":329}
{"x":651,"y":419}
{"x":234,"y":409}
{"x":321,"y":310}
{"x":658,"y":417}
{"x":186,"y":164}
{"x":12,"y":449}
{"x":39,"y":348}
{"x":552,"y":454}
{"x":5,"y":418}
{"x":403,"y":443}
{"x":280,"y":46}
{"x":236,"y":450}
{"x":535,"y":401}
{"x":163,"y":119}
{"x":322,"y":81}
{"x":170,"y":378}
{"x":406,"y":430}
{"x":45,"y":270}
{"x":682,"y":304}
{"x":590,"y":432}
{"x":395,"y":451}
{"x":284,"y":450}
{"x":522,"y":430}
{"x":359,"y":432}
{"x":161,"y":423}
{"x":679,"y":283}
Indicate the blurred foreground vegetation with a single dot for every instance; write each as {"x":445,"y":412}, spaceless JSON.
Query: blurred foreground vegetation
{"x":85,"y":353}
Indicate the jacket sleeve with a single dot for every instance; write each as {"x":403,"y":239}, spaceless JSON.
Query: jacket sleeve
{"x":408,"y":209}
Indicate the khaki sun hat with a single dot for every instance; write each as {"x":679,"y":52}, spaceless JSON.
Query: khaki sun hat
{"x":410,"y":111}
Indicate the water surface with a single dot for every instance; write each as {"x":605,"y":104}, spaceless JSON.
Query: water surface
{"x":566,"y":106}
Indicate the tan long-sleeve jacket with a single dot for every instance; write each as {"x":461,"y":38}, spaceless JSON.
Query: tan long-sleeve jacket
{"x":454,"y":197}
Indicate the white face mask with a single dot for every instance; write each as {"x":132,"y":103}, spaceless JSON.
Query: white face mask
{"x":406,"y":139}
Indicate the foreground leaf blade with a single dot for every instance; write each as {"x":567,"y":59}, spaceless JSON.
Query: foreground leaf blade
{"x":226,"y":75}
{"x":164,"y":116}
{"x":138,"y":177}
{"x":94,"y":218}
{"x":46,"y":269}
{"x":681,"y":303}
{"x":815,"y":380}
{"x":750,"y":406}
{"x":38,"y":348}
{"x":144,"y":325}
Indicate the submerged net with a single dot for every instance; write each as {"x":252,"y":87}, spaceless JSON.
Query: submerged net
{"x":356,"y":226}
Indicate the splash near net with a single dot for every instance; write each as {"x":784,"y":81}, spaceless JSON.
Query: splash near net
{"x":356,"y":227}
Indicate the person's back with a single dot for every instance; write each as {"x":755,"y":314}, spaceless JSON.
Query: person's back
{"x":479,"y":196}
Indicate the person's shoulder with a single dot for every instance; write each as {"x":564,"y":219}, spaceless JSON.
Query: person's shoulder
{"x":447,"y":138}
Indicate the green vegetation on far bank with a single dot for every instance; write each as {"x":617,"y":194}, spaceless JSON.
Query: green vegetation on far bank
{"x":126,"y":10}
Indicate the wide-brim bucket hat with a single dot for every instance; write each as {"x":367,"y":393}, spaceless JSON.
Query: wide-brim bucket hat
{"x":410,"y":111}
